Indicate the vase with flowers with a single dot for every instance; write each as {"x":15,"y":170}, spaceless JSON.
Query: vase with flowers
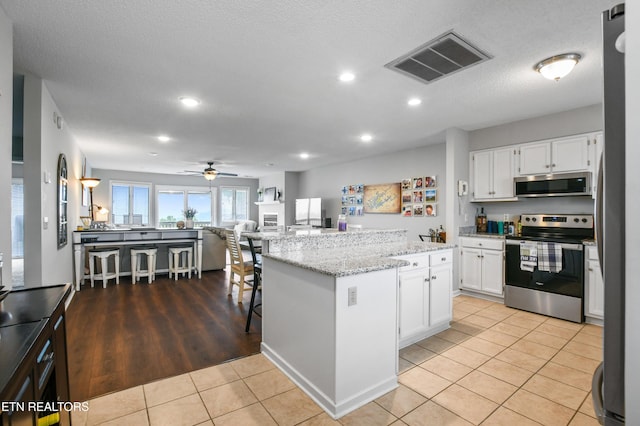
{"x":189,"y":215}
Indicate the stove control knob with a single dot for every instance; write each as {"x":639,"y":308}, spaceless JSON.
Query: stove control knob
{"x":534,"y":219}
{"x":528,"y":219}
{"x":584,"y":220}
{"x":575,"y":219}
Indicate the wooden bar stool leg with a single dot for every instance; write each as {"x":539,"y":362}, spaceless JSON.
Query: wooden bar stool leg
{"x":134,"y":267}
{"x":117,"y":267}
{"x":92,"y":269}
{"x":176,"y":264}
{"x":103,"y":264}
{"x":190,"y":263}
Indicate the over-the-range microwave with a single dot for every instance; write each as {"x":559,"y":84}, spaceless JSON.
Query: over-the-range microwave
{"x":553,"y":185}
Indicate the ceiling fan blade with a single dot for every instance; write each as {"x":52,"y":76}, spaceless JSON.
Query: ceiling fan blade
{"x":192,"y":171}
{"x":226,"y":174}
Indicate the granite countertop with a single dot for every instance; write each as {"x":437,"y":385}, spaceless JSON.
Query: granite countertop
{"x":482,"y":235}
{"x":316,"y":233}
{"x":355,"y":260}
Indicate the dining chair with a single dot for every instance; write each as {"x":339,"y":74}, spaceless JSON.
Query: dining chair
{"x":238,"y":266}
{"x":257,"y":283}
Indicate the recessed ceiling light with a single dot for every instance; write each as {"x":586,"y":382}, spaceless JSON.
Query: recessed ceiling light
{"x":347,"y":76}
{"x":304,"y":155}
{"x":366,"y":138}
{"x":189,"y":102}
{"x":164,"y":138}
{"x":153,"y":154}
{"x":269,"y":164}
{"x":414,"y":101}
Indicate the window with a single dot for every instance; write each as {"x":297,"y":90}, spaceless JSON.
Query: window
{"x":130,"y":203}
{"x":234,"y":204}
{"x":172,"y":201}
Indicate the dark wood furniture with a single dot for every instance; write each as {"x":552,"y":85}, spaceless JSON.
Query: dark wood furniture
{"x":33,"y":355}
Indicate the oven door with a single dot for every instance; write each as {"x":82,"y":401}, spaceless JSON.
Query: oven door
{"x":569,"y":281}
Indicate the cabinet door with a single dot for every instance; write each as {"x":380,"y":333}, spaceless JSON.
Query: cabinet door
{"x":570,"y":154}
{"x":492,"y":271}
{"x":440,"y":295}
{"x":595,"y":290}
{"x":503,"y":168}
{"x":414,"y":300}
{"x":535,"y":159}
{"x":482,"y":175}
{"x":470,"y":268}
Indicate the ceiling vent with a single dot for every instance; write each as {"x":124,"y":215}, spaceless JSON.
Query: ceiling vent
{"x":438,"y":58}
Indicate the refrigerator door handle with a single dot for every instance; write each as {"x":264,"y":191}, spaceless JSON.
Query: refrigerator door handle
{"x":596,"y":393}
{"x":599,"y":211}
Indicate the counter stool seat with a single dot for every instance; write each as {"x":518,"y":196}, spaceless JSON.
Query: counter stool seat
{"x":104,"y":254}
{"x":137,"y":254}
{"x":180,"y":260}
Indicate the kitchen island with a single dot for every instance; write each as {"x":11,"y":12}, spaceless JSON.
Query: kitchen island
{"x":330,"y":315}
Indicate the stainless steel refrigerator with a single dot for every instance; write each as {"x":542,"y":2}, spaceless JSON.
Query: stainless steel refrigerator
{"x":608,"y":380}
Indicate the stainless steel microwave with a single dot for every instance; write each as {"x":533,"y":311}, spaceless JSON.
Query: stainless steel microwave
{"x":553,"y":185}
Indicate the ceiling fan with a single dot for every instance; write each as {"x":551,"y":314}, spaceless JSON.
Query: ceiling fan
{"x":210,"y":173}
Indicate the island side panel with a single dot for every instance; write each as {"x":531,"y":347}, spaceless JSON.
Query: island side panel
{"x":298,"y":326}
{"x":367,"y":340}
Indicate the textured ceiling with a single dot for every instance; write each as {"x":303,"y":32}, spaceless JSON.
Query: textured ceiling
{"x":266,"y":72}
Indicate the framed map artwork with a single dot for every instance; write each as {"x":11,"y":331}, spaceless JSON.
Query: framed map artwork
{"x":382,"y":198}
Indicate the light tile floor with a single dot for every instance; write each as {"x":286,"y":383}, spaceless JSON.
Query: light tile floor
{"x":494,"y":366}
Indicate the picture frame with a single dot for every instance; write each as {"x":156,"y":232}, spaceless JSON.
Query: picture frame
{"x":430,"y":195}
{"x":407,"y":210}
{"x":382,"y":198}
{"x":430,"y":182}
{"x":418,"y":183}
{"x":270,"y":194}
{"x":418,"y":210}
{"x":430,"y":209}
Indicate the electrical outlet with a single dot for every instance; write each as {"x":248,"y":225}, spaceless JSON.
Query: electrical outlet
{"x":353,"y":296}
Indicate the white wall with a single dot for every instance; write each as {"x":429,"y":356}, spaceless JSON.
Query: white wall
{"x":43,"y":143}
{"x":572,"y":122}
{"x":632,"y":360}
{"x":101,"y":192}
{"x":6,"y":114}
{"x":327,"y":182}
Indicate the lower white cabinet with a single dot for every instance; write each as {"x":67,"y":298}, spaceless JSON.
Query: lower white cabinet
{"x":482,"y":265}
{"x":593,"y":285}
{"x":424,"y":302}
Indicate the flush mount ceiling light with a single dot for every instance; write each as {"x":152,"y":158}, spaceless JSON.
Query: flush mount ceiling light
{"x":189,"y":102}
{"x":414,"y":101}
{"x":556,"y":67}
{"x":347,"y":76}
{"x":366,"y":138}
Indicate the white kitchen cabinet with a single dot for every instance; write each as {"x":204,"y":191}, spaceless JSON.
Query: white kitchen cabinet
{"x":482,"y":265}
{"x":594,"y":285}
{"x":492,"y":174}
{"x":424,"y":302}
{"x":570,"y":154}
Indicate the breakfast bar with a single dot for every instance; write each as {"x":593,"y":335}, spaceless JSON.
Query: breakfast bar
{"x":137,"y":237}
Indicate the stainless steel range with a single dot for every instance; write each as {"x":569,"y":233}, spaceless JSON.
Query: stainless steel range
{"x":544,"y":267}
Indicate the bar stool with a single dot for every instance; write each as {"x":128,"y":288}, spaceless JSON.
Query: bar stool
{"x":137,"y":254}
{"x":104,"y":254}
{"x":180,"y":260}
{"x":257,"y":283}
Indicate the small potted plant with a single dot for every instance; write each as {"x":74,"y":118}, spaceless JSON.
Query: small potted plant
{"x":189,"y":215}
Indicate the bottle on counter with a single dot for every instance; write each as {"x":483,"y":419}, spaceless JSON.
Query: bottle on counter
{"x":442,"y":236}
{"x":342,"y":222}
{"x":512,"y":229}
{"x":481,"y":221}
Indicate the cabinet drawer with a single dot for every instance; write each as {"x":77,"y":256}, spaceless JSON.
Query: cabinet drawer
{"x":416,"y":261}
{"x":483,"y":243}
{"x":441,"y":257}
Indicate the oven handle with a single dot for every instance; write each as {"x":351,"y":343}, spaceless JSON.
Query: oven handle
{"x":564,"y":246}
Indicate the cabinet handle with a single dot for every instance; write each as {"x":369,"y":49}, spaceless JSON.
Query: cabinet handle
{"x":426,"y":280}
{"x":415,"y":264}
{"x":444,"y":259}
{"x":553,"y":165}
{"x":480,"y":244}
{"x":433,"y":277}
{"x":590,"y":269}
{"x":547,"y":166}
{"x":478,"y":256}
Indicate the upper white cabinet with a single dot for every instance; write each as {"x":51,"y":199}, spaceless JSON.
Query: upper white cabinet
{"x":570,"y":154}
{"x":492,"y":174}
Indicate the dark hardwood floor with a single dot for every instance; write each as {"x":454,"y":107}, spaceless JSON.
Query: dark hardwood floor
{"x":127,"y":335}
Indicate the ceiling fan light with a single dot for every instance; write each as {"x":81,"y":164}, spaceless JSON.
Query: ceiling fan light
{"x":210,"y":174}
{"x":556,"y":67}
